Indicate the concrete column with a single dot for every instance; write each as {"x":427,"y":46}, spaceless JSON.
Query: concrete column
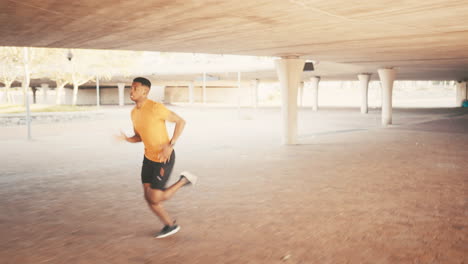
{"x":461,"y":93}
{"x":315,"y":86}
{"x":239,"y":90}
{"x":191,"y":93}
{"x":98,"y":93}
{"x":204,"y":87}
{"x":300,"y":97}
{"x":121,"y":87}
{"x":289,"y":70}
{"x":387,"y":76}
{"x":364,"y":84}
{"x":45,"y":91}
{"x":255,"y":92}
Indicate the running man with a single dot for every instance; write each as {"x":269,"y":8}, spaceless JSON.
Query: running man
{"x":149,"y":123}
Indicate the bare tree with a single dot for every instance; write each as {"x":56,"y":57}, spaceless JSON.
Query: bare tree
{"x":87,"y":64}
{"x":58,"y":71}
{"x":9,"y":68}
{"x":26,"y":57}
{"x":61,"y":79}
{"x":66,"y":66}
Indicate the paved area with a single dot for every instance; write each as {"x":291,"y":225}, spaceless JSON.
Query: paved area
{"x":351,"y":192}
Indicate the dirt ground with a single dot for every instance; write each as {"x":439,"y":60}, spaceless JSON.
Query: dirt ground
{"x":351,"y":192}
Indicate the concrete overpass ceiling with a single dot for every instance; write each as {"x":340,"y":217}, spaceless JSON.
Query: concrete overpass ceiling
{"x":423,"y":39}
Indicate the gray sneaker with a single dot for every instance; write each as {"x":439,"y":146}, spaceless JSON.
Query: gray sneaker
{"x":190,"y":177}
{"x":168,"y":231}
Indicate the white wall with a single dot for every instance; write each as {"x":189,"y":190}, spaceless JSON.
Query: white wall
{"x":217,"y":95}
{"x":405,"y":94}
{"x":86,"y":97}
{"x":49,"y":97}
{"x":16,"y":94}
{"x":110,"y":96}
{"x":157,"y":93}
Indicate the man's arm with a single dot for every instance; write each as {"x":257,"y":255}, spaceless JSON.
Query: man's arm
{"x":134,"y":139}
{"x":179,"y":127}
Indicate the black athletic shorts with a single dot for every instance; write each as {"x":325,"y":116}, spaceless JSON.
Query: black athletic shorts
{"x":157,"y":173}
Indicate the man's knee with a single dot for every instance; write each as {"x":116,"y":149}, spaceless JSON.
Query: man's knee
{"x":154,"y":197}
{"x":147,"y":199}
{"x":152,"y":201}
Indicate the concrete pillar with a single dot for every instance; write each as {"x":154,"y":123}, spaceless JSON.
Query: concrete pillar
{"x":204,"y":88}
{"x":461,"y":93}
{"x":239,"y":92}
{"x":45,"y":91}
{"x":364,"y":84}
{"x":300,"y":97}
{"x":121,"y":87}
{"x":387,"y":76}
{"x":255,"y":92}
{"x":289,"y":70}
{"x":315,"y":86}
{"x":191,"y":92}
{"x":98,"y":93}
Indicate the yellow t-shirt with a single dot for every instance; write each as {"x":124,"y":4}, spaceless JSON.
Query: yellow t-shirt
{"x":149,"y":122}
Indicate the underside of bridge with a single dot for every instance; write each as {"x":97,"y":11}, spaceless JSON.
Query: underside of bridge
{"x":422,"y":40}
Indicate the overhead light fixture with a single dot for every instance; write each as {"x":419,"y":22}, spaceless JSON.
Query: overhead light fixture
{"x":69,"y":55}
{"x":308,"y":66}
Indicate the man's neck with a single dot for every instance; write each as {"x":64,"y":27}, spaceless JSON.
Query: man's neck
{"x":140,"y":103}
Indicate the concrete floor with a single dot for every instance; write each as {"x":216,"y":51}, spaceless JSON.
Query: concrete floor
{"x":352,"y":192}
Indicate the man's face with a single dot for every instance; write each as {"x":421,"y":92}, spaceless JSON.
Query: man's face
{"x":138,"y":91}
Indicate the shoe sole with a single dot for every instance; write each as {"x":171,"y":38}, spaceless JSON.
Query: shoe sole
{"x":170,"y":233}
{"x":190,"y":177}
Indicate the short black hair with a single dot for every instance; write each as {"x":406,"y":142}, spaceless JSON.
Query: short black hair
{"x":143,"y":81}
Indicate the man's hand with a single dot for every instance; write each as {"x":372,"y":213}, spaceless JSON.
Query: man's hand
{"x":165,"y":154}
{"x":121,"y":137}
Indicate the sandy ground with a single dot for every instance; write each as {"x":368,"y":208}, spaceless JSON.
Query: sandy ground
{"x":351,"y":192}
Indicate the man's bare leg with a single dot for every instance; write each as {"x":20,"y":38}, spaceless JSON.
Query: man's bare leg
{"x":161,"y":212}
{"x":155,"y":198}
{"x":169,"y":192}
